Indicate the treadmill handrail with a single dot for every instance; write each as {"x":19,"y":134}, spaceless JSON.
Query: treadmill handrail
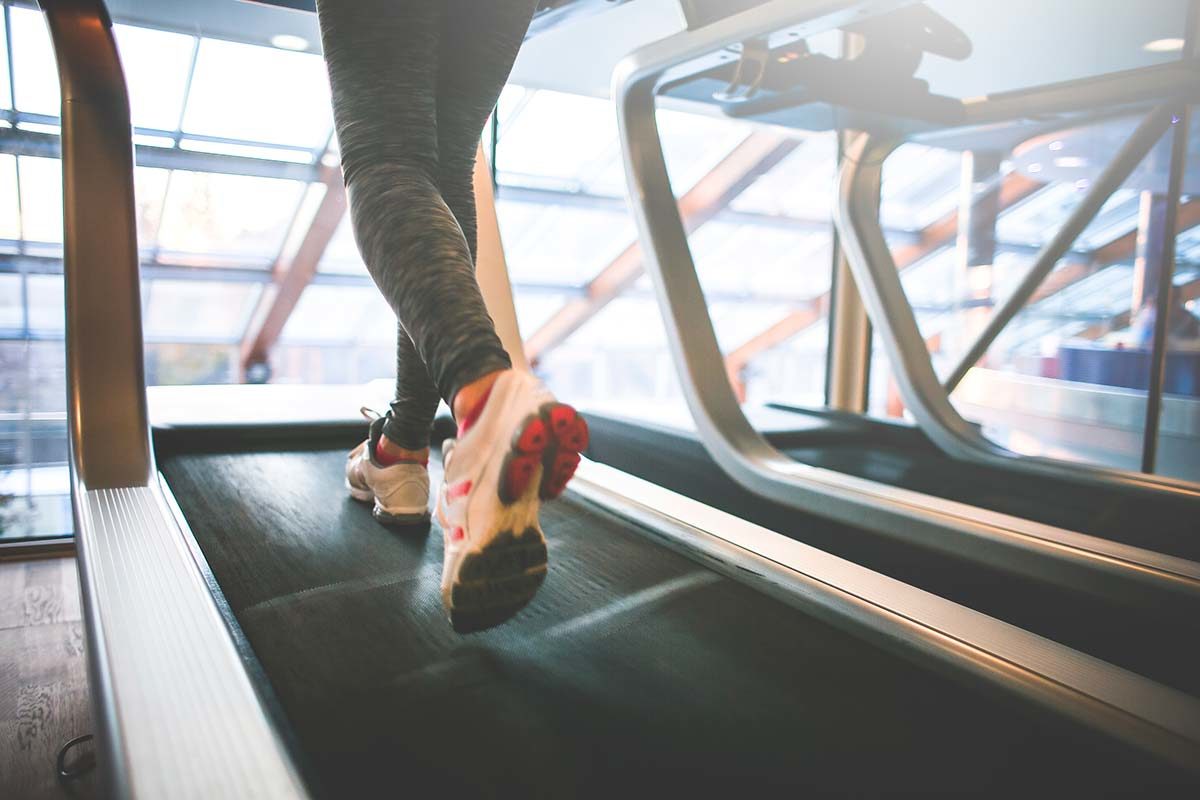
{"x":175,"y":713}
{"x":106,"y":387}
{"x":1051,"y":553}
{"x":892,"y":315}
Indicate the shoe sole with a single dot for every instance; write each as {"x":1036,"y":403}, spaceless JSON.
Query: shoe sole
{"x":384,"y":517}
{"x":498,"y":581}
{"x":551,"y":439}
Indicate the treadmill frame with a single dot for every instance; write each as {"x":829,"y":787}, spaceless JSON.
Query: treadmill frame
{"x":1047,"y":552}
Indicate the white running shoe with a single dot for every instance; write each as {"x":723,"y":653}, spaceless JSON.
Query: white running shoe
{"x":522,"y":448}
{"x":400,"y":492}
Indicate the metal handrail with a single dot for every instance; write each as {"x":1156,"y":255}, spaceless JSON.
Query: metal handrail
{"x":106,"y":388}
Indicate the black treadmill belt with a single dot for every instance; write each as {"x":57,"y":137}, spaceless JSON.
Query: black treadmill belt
{"x":1162,"y":643}
{"x":635,"y":669}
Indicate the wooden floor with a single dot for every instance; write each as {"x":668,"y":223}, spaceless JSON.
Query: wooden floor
{"x":43,"y":677}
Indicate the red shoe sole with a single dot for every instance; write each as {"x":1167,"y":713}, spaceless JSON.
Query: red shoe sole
{"x":553,"y":438}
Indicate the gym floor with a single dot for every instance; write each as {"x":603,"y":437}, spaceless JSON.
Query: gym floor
{"x":43,"y":677}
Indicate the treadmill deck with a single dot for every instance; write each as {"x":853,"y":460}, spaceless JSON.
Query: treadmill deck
{"x":634,"y":670}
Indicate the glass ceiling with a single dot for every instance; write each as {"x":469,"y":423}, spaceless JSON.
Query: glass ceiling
{"x":560,"y":199}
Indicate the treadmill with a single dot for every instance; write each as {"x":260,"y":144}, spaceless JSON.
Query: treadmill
{"x":252,"y":633}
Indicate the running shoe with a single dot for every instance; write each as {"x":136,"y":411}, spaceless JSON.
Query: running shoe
{"x":518,"y":448}
{"x":399,"y":492}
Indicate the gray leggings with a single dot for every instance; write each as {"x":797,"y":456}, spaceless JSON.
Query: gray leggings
{"x":413,"y":82}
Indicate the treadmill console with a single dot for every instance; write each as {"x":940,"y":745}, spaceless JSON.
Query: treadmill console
{"x":785,"y":80}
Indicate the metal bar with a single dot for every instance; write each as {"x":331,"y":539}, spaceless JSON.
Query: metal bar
{"x":1123,"y":163}
{"x":110,"y":440}
{"x":848,"y":355}
{"x":187,"y":90}
{"x":45,"y":145}
{"x":1166,"y":275}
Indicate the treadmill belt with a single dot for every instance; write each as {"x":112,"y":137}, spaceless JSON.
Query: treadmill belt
{"x":634,"y":670}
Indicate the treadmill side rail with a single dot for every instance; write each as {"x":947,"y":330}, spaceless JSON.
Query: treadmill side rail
{"x":183,"y":719}
{"x":175,"y":711}
{"x":1046,"y":552}
{"x":1122,"y":704}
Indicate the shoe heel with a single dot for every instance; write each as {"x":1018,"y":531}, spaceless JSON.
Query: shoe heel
{"x":570,"y":433}
{"x":527,"y":452}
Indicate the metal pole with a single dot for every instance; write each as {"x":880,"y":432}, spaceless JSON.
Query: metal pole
{"x":848,"y":355}
{"x":1129,"y":156}
{"x":1162,"y":301}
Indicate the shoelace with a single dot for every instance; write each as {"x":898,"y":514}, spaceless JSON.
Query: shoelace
{"x":369,"y":414}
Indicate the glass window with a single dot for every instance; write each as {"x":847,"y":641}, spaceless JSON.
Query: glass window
{"x":693,"y":144}
{"x":341,"y":255}
{"x":41,"y":199}
{"x":227,"y":217}
{"x":197,"y":310}
{"x":35,"y":73}
{"x":10,"y":220}
{"x":156,"y":65}
{"x":340,"y":314}
{"x":562,"y":245}
{"x":758,"y":261}
{"x":799,"y":186}
{"x":12,"y":306}
{"x":149,"y":191}
{"x":5,"y":94}
{"x":188,"y":363}
{"x":920,"y":186}
{"x":534,"y":308}
{"x":259,"y":94}
{"x":561,"y":141}
{"x":46,"y":303}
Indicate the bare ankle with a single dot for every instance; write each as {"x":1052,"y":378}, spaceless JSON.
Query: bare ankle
{"x":472,"y":395}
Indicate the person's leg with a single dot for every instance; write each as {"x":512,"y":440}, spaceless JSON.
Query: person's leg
{"x":479,"y":44}
{"x":383,"y":57}
{"x":382,"y":60}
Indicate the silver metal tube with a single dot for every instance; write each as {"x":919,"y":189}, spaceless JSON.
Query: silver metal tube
{"x":1162,"y":303}
{"x":1127,"y":158}
{"x":106,"y":388}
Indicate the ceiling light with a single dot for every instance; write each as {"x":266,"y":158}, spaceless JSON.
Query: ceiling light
{"x":1070,"y":162}
{"x":286,"y":41}
{"x":1056,"y":144}
{"x":1034,"y":167}
{"x":1082,"y":184}
{"x":1163,"y":46}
